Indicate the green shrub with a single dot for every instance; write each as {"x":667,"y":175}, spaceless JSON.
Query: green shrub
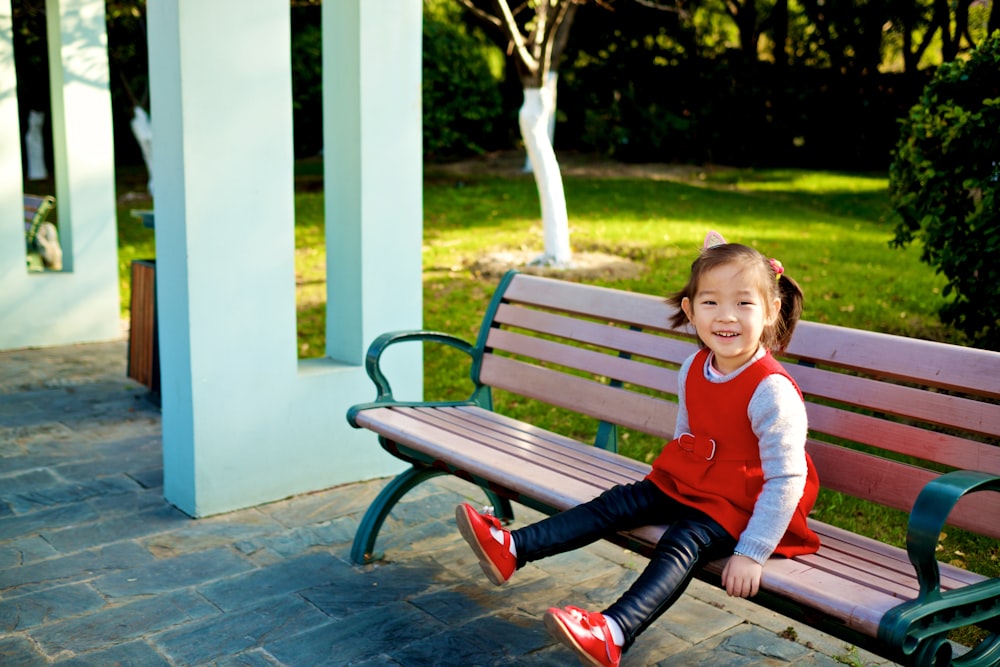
{"x":307,"y":80}
{"x":461,"y":97}
{"x":943,"y":182}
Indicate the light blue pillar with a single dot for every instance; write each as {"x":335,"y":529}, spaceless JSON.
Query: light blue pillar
{"x":243,"y":421}
{"x":80,"y":303}
{"x":373,"y":149}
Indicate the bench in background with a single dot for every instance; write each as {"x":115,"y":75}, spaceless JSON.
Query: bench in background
{"x":909,"y":424}
{"x":40,"y":236}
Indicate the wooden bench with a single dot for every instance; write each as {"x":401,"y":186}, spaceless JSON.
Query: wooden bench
{"x":36,"y":213}
{"x":905,"y":423}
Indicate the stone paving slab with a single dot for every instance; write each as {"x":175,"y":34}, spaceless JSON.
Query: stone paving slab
{"x":235,"y":633}
{"x":24,"y":579}
{"x":96,"y":569}
{"x":53,"y":604}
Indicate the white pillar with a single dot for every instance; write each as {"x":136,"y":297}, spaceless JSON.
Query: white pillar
{"x":373,"y":150}
{"x":80,"y":303}
{"x":243,"y":421}
{"x":12,"y":254}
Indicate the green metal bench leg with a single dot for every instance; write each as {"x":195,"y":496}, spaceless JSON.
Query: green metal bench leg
{"x":501,"y":507}
{"x":363,"y":549}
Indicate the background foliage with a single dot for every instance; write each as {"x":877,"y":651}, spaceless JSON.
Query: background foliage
{"x":462,"y":111}
{"x":744,"y":82}
{"x":945,"y":180}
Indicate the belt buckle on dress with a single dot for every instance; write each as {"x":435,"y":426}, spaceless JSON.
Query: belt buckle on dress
{"x":682,"y":442}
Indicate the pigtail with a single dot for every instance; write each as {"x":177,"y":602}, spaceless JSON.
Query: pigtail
{"x":679,"y":318}
{"x":791,"y":310}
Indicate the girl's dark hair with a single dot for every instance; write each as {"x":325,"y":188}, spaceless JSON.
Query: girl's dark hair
{"x":772,"y":284}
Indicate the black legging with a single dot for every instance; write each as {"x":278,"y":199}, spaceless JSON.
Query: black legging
{"x":691,"y":540}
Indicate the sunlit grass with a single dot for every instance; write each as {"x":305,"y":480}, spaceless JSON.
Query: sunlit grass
{"x":835,"y":244}
{"x":831,"y":231}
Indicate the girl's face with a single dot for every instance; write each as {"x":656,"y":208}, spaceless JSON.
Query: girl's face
{"x":729,"y":313}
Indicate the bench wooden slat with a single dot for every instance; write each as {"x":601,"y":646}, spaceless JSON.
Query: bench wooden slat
{"x":602,"y":303}
{"x":638,"y":343}
{"x":513,"y":429}
{"x":856,"y":606}
{"x":596,"y":363}
{"x":884,"y":555}
{"x":530,"y":478}
{"x":562,"y":456}
{"x":885,"y":574}
{"x":896,"y":485}
{"x":886,"y":482}
{"x":974,"y":371}
{"x":904,"y":439}
{"x":933,"y":408}
{"x":645,"y":413}
{"x":855,"y":567}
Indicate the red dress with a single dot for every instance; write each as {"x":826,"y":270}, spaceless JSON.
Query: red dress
{"x":717,"y":468}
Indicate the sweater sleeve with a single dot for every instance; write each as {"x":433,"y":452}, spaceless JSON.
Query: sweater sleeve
{"x":778,"y":418}
{"x":681,"y":426}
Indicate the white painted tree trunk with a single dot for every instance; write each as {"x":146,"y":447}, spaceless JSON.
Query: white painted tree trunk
{"x":533,"y":119}
{"x":142,"y":129}
{"x":550,"y":87}
{"x":36,"y":147}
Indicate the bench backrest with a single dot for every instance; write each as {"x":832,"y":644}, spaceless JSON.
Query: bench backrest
{"x":887,"y":413}
{"x":36,"y":210}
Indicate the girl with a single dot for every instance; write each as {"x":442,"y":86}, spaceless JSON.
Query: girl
{"x":735,"y":481}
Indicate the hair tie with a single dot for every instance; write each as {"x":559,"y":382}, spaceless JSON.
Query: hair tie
{"x":777,"y":267}
{"x":713,"y":239}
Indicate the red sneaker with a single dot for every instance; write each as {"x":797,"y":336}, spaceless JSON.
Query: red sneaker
{"x":495,"y":558}
{"x":575,"y":628}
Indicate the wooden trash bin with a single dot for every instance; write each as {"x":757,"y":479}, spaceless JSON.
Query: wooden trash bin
{"x":143,"y":341}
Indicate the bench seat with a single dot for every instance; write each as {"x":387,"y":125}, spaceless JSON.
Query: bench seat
{"x":853,"y":580}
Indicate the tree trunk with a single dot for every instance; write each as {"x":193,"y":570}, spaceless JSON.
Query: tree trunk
{"x":533,"y":119}
{"x":37,"y":171}
{"x":142,"y":129}
{"x":779,"y":30}
{"x":551,"y":86}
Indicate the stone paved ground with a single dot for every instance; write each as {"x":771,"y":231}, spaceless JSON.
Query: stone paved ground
{"x":96,"y":569}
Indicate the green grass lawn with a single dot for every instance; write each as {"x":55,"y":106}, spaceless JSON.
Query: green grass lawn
{"x":830,"y":230}
{"x":134,"y":240}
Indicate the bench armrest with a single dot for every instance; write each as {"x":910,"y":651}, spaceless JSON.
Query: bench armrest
{"x":918,"y":629}
{"x":927,"y":519}
{"x":383,"y":390}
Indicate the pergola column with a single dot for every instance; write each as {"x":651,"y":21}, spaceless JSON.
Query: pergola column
{"x":244,"y":421}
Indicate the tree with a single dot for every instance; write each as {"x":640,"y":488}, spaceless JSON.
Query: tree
{"x":535,"y":34}
{"x":746,"y":17}
{"x":945,"y":184}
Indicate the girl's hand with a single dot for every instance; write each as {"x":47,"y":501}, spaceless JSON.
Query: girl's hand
{"x":741,"y":576}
